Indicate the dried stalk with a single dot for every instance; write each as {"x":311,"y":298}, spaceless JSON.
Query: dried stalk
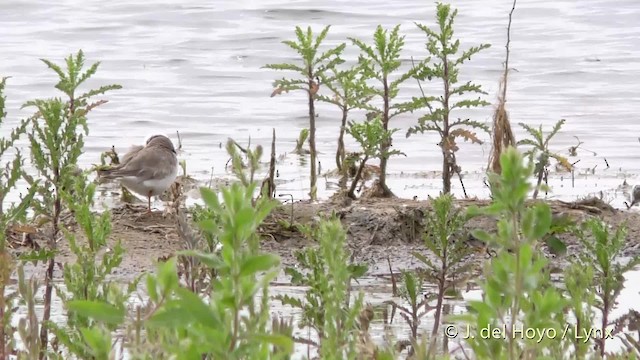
{"x":270,"y":182}
{"x":502,"y":133}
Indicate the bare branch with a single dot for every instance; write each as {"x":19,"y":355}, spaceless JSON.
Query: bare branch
{"x":506,"y":61}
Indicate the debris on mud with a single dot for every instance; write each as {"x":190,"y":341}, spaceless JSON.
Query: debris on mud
{"x":376,"y":229}
{"x":591,"y":205}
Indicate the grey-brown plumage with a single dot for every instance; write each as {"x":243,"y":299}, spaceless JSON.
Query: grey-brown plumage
{"x":147,"y":170}
{"x":635,"y":197}
{"x":130,"y":154}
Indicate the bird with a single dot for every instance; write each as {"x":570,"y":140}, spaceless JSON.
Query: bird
{"x":147,"y":170}
{"x":635,"y":197}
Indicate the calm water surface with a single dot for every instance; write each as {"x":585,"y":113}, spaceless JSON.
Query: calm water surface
{"x":194,"y":67}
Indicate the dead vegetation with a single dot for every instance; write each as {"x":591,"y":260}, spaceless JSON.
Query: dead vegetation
{"x":374,"y":226}
{"x":503,"y":136}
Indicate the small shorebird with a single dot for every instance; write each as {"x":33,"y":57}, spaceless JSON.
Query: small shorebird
{"x":635,"y":197}
{"x":147,"y":170}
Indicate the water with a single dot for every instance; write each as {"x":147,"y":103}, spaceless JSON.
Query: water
{"x":195,"y":68}
{"x":376,"y":292}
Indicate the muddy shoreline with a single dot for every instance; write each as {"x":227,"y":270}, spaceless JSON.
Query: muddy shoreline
{"x":379,"y":232}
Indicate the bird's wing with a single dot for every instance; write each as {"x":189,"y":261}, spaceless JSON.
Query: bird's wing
{"x":148,"y":163}
{"x":133,"y":151}
{"x":112,"y":172}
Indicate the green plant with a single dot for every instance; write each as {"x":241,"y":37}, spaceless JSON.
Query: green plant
{"x":302,"y":138}
{"x":411,"y":292}
{"x":371,"y":135}
{"x":237,"y":165}
{"x":28,"y":326}
{"x":441,"y":45}
{"x":603,"y":252}
{"x":379,"y":62}
{"x":517,"y":291}
{"x":227,"y":332}
{"x":224,"y":263}
{"x":196,"y":275}
{"x":350,"y":91}
{"x":95,"y":340}
{"x":87,"y":278}
{"x":578,"y":280}
{"x":230,"y":322}
{"x":423,"y":350}
{"x":268,"y":185}
{"x":444,"y":237}
{"x":111,"y":155}
{"x":56,"y":141}
{"x":560,"y":224}
{"x":314,"y":65}
{"x":325,"y":308}
{"x":540,"y":147}
{"x":629,"y":340}
{"x":11,"y":172}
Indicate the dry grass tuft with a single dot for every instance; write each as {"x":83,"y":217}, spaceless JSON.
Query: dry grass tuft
{"x":502,"y":133}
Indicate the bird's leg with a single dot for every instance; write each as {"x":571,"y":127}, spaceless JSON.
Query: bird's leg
{"x":149,"y":203}
{"x":146,"y":213}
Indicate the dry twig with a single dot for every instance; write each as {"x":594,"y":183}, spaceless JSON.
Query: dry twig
{"x":503,"y":136}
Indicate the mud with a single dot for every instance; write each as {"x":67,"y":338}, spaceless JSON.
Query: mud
{"x":379,"y":232}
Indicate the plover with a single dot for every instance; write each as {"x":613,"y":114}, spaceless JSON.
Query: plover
{"x":147,"y":170}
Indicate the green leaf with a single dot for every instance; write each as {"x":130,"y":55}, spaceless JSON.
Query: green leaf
{"x":168,"y":275}
{"x":98,"y":341}
{"x":556,"y":246}
{"x":474,"y":211}
{"x":411,"y":285}
{"x":213,"y":261}
{"x":37,"y":255}
{"x":543,"y":220}
{"x":482,"y":236}
{"x":208,"y":225}
{"x":210,"y":198}
{"x":526,"y":255}
{"x":257,"y":263}
{"x":358,"y":270}
{"x":423,"y":259}
{"x":98,"y":311}
{"x":201,"y":312}
{"x":282,"y":341}
{"x":152,"y":288}
{"x":528,"y":220}
{"x":291,"y":301}
{"x":296,"y":277}
{"x":171,"y":318}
